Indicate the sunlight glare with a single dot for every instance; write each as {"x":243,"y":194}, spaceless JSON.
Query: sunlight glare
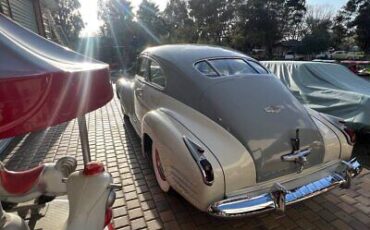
{"x":89,"y":13}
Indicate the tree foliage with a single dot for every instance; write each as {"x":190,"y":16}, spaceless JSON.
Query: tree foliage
{"x":359,"y":20}
{"x":117,"y":17}
{"x":120,"y":28}
{"x":317,"y":38}
{"x":150,"y":22}
{"x":263,"y":23}
{"x":212,"y":19}
{"x":316,"y":31}
{"x":339,"y":31}
{"x":241,"y":24}
{"x":68,"y":19}
{"x":180,"y":27}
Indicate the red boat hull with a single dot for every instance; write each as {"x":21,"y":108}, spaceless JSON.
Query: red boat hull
{"x":32,"y":103}
{"x":43,"y":84}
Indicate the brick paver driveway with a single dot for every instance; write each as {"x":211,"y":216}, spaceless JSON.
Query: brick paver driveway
{"x":141,"y":204}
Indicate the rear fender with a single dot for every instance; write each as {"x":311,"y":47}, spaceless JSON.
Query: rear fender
{"x":336,"y":144}
{"x":237,"y":163}
{"x":180,"y":168}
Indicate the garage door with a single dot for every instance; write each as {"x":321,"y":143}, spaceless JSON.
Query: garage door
{"x":4,"y":7}
{"x":24,"y":13}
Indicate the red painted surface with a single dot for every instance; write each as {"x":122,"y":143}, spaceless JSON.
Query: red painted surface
{"x":43,"y":84}
{"x":108,"y":218}
{"x":18,"y":183}
{"x":31,"y":103}
{"x":93,"y":168}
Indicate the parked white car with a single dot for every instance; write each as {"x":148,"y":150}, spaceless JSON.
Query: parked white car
{"x":229,"y":136}
{"x":292,"y":56}
{"x":341,"y":55}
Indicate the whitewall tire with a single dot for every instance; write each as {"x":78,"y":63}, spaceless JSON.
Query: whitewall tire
{"x":158,"y":171}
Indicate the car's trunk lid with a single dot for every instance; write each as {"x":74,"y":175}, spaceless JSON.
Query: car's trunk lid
{"x":264,"y":116}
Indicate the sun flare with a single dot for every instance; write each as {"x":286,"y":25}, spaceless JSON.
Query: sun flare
{"x":89,"y":13}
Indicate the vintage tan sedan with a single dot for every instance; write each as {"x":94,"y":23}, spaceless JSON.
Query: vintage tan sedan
{"x":227,"y":135}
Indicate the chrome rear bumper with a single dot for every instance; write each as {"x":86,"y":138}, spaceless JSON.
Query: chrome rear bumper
{"x":279,"y":197}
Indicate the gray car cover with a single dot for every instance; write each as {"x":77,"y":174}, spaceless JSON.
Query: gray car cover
{"x":328,"y":88}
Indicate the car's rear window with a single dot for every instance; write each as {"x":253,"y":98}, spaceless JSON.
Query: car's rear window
{"x":205,"y":69}
{"x":258,"y":67}
{"x":229,"y":67}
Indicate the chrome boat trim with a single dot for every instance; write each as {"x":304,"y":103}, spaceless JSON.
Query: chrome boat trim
{"x":279,"y":197}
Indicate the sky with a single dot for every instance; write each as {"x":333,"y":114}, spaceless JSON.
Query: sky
{"x":89,"y":11}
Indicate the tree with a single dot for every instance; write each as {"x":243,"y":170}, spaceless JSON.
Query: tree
{"x":316,"y":17}
{"x":118,"y":26}
{"x":212,"y":19}
{"x":292,"y":15}
{"x":264,"y":23}
{"x":68,"y":19}
{"x":339,"y":31}
{"x":359,"y":20}
{"x":259,"y":25}
{"x":117,"y":17}
{"x":316,"y":29}
{"x":151,"y":23}
{"x":317,"y":39}
{"x":178,"y":23}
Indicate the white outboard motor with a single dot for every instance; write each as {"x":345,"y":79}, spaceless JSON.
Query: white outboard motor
{"x":44,"y":180}
{"x":91,"y":196}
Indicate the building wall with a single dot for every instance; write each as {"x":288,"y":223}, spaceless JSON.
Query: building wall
{"x":25,"y":12}
{"x":5,"y":7}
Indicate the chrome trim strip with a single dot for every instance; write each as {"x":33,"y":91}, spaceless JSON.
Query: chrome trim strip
{"x":244,"y":205}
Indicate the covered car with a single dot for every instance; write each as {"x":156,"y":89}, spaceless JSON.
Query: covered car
{"x":229,"y":136}
{"x":328,"y":88}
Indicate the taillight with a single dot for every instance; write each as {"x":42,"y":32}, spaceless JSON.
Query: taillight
{"x":351,"y":135}
{"x":207,"y":171}
{"x":341,"y":124}
{"x":204,"y":165}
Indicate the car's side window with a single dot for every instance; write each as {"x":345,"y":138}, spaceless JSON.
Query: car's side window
{"x":156,"y":74}
{"x":142,"y":69}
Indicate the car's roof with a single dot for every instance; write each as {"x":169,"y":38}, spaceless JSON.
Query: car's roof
{"x":184,"y":82}
{"x":191,"y":52}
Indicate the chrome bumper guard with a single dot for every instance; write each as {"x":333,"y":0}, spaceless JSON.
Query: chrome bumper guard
{"x":279,"y":196}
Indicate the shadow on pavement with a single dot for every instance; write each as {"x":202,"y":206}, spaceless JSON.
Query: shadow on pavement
{"x":362,"y":150}
{"x":28,"y":151}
